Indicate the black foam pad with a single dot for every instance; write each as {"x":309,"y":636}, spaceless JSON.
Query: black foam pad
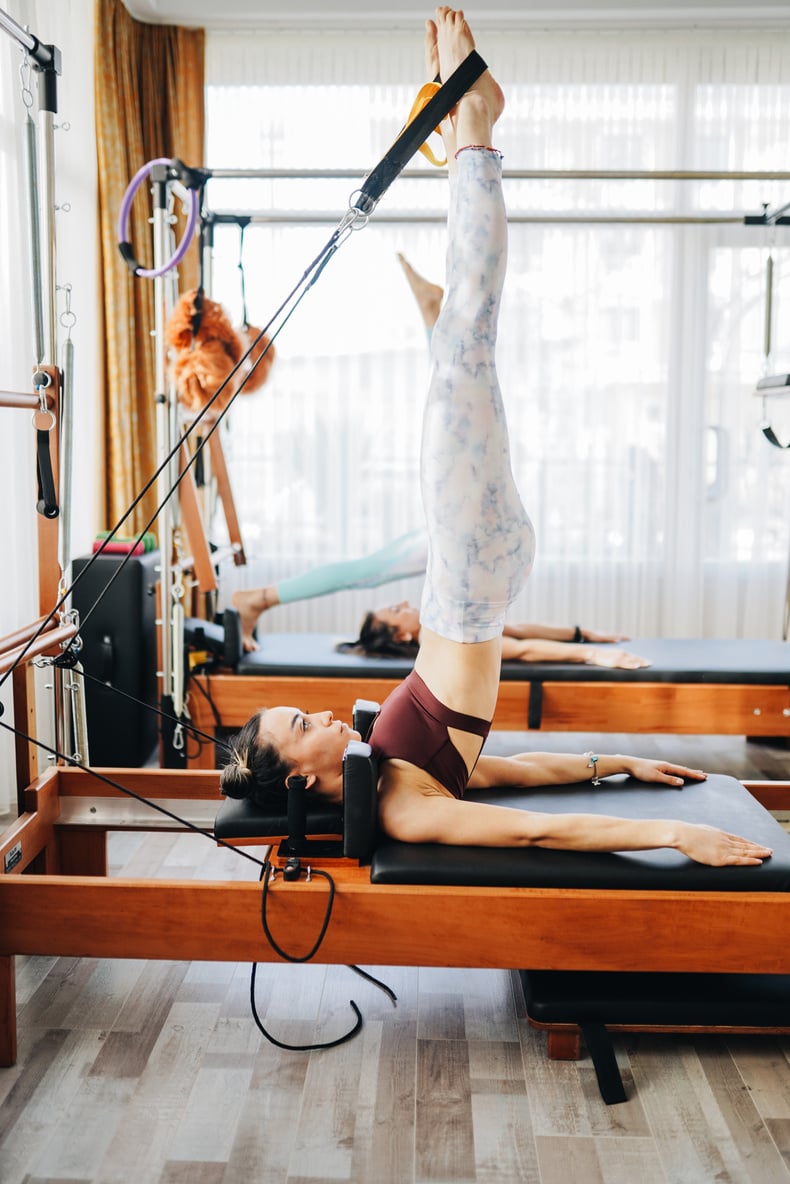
{"x":671,"y":660}
{"x":639,"y":997}
{"x":242,"y":819}
{"x":360,"y":801}
{"x":719,"y":801}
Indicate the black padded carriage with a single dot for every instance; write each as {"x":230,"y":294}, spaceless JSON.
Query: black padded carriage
{"x":672,"y":660}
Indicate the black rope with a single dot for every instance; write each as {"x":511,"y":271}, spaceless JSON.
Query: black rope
{"x":300,"y":958}
{"x":166,"y":715}
{"x":152,"y":803}
{"x":301,"y":1047}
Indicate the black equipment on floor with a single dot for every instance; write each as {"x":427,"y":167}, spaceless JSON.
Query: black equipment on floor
{"x":119,"y":649}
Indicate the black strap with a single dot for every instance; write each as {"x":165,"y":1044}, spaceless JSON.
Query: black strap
{"x":242,"y":281}
{"x":47,"y":504}
{"x":417,"y":132}
{"x":772,"y":437}
{"x":599,"y":1046}
{"x":535,"y":706}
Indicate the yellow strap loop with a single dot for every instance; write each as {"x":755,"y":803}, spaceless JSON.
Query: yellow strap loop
{"x":424,"y":95}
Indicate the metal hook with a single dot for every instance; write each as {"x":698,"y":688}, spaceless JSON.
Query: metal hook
{"x":68,"y":318}
{"x":24,"y":79}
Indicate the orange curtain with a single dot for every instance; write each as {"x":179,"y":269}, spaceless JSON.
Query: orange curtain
{"x":149,"y":103}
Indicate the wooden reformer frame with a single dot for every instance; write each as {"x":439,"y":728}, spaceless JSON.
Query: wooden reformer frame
{"x":56,"y":898}
{"x":682,"y":708}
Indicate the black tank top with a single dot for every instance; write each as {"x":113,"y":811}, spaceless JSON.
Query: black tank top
{"x":412,"y":726}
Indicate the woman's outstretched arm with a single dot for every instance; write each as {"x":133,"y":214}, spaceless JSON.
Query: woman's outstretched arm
{"x":562,"y":633}
{"x":539,"y":650}
{"x":413,"y":817}
{"x":568,"y":768}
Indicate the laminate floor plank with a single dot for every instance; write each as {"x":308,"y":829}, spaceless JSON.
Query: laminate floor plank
{"x":26,"y":1140}
{"x":85,"y":1129}
{"x":779,"y":1130}
{"x":554,"y":1093}
{"x":623,"y":1161}
{"x":54,"y":999}
{"x":207,"y":1127}
{"x":192,"y":1173}
{"x":505,"y":1151}
{"x":489,"y":1010}
{"x":25,"y":1078}
{"x":384,"y":1141}
{"x":444,"y":1138}
{"x":764,"y":1067}
{"x":147,"y":859}
{"x":746,"y":1144}
{"x":668,"y":1081}
{"x":563,"y":1160}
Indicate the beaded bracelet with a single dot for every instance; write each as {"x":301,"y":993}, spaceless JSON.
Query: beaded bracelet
{"x":592,"y":763}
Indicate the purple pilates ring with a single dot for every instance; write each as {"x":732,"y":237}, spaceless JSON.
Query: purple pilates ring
{"x":125,"y":246}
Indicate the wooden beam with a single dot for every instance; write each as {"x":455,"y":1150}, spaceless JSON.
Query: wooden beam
{"x":397,"y":925}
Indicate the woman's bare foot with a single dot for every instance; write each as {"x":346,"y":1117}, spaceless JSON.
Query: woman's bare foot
{"x":478,"y":110}
{"x":250,"y":603}
{"x":428,"y":295}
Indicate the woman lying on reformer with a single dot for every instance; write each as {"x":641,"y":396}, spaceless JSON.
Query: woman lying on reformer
{"x":395,"y":629}
{"x":430,"y":730}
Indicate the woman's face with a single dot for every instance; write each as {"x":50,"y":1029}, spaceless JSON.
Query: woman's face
{"x":403,"y":619}
{"x":313,"y":744}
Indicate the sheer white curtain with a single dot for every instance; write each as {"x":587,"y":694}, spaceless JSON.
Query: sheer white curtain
{"x":628,"y":352}
{"x":69,"y":26}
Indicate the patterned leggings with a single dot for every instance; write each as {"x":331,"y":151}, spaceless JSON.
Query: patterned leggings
{"x":481,"y":540}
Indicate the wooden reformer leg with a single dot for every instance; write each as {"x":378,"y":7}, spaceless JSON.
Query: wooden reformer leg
{"x":564,"y":1044}
{"x":7,"y":1011}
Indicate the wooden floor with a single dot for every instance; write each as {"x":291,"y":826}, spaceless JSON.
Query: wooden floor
{"x":154,"y":1073}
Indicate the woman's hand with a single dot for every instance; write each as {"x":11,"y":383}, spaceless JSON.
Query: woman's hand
{"x":717,"y":848}
{"x":615,"y":659}
{"x":602,"y":638}
{"x":661,"y":771}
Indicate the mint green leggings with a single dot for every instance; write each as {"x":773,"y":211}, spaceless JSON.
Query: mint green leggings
{"x":400,"y":559}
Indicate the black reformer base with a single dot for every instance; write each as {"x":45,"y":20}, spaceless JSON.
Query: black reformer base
{"x":591,"y":1000}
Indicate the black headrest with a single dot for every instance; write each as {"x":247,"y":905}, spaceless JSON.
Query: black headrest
{"x":365,"y":712}
{"x":360,"y":799}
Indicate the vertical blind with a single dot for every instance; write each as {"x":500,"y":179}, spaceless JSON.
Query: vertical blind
{"x":628,"y":352}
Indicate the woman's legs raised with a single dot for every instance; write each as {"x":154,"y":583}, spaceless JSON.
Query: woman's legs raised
{"x":481,"y":539}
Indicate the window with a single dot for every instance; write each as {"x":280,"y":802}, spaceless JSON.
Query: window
{"x":628,"y":351}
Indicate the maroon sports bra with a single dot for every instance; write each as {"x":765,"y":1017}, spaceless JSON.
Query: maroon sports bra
{"x":412,"y":726}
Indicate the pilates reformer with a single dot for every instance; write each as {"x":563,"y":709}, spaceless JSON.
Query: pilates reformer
{"x":578,"y":925}
{"x":691,"y":687}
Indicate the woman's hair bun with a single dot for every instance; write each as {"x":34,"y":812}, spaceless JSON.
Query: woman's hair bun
{"x":236,"y":777}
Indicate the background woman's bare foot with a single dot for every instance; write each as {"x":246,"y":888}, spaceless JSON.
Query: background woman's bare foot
{"x":428,"y":295}
{"x":249,"y":604}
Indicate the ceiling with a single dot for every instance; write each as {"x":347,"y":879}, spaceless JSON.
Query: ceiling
{"x":339,"y":13}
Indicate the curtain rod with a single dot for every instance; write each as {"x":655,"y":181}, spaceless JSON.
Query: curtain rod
{"x":230,"y":217}
{"x":508,"y":174}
